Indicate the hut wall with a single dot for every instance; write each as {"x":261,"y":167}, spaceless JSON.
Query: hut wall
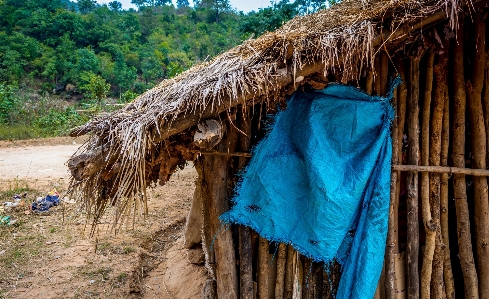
{"x":436,"y":247}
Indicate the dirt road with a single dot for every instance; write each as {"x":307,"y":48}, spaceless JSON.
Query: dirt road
{"x":36,"y":160}
{"x":52,"y":256}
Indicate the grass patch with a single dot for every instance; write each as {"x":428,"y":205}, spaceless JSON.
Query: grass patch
{"x":16,"y":186}
{"x":127,"y":249}
{"x":102,"y":273}
{"x":19,"y":132}
{"x":122,"y":277}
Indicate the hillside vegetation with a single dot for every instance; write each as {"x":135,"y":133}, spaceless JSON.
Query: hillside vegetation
{"x":60,"y":60}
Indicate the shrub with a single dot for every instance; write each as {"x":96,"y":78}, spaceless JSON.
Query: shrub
{"x":8,"y":102}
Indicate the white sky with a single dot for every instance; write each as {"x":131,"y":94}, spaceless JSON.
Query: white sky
{"x":242,"y":5}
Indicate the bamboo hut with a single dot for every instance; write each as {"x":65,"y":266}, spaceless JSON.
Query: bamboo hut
{"x":212,"y":115}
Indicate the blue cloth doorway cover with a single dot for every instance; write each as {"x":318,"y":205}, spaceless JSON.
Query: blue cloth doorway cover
{"x":320,"y":181}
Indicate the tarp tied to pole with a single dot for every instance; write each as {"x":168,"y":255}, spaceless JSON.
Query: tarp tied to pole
{"x":320,"y":181}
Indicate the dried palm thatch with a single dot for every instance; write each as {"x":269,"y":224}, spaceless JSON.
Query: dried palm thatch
{"x":118,"y":160}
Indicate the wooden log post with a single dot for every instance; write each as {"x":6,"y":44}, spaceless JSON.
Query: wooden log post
{"x":401,"y":121}
{"x":376,"y":74}
{"x":391,"y":248}
{"x":216,"y":199}
{"x":447,"y":264}
{"x":308,"y":289}
{"x":289,"y":273}
{"x":478,"y":138}
{"x":281,"y":261}
{"x":298,"y":280}
{"x":471,"y":282}
{"x":369,"y":81}
{"x":429,"y":225}
{"x":440,"y":96}
{"x":245,"y":248}
{"x":263,"y":268}
{"x":486,"y":102}
{"x":412,"y":249}
{"x":383,"y":73}
{"x":317,"y":272}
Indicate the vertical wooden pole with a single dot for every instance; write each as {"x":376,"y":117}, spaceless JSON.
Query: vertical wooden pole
{"x":384,"y":78}
{"x":401,"y":121}
{"x":459,"y":185}
{"x":412,"y":250}
{"x":263,"y":266}
{"x":298,"y":280}
{"x":478,"y":138}
{"x":447,"y":264}
{"x":440,"y":97}
{"x":390,"y":255}
{"x":486,"y":102}
{"x":206,"y":228}
{"x":369,"y":82}
{"x":308,"y":290}
{"x":245,"y":248}
{"x":376,"y":70}
{"x":383,"y":72}
{"x":429,"y":225}
{"x":215,"y":169}
{"x":281,"y":259}
{"x":317,"y":272}
{"x":289,"y":273}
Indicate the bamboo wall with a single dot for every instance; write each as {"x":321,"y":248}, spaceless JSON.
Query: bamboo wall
{"x":437,"y":243}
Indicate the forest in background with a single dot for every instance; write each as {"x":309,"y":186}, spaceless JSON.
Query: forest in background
{"x":63,"y":62}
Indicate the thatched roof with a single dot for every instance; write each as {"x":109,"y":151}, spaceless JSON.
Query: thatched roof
{"x":343,"y":39}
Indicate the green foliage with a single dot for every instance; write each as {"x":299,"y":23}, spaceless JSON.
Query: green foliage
{"x":97,"y":87}
{"x":103,"y":50}
{"x":59,"y":122}
{"x":128,"y":96}
{"x":8,"y":102}
{"x":268,"y":19}
{"x":85,"y":6}
{"x":115,"y":5}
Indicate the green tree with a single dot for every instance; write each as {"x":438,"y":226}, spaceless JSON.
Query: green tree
{"x":139,"y":3}
{"x":115,"y":5}
{"x":162,"y":2}
{"x":268,"y":19}
{"x":182,"y":3}
{"x":216,"y":7}
{"x":86,"y":60}
{"x":86,"y":6}
{"x":124,"y":75}
{"x":96,"y":87}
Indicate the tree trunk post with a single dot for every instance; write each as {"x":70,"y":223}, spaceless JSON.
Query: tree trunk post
{"x":471,"y":281}
{"x":215,"y":178}
{"x":429,"y":225}
{"x":478,"y":138}
{"x":281,"y":260}
{"x":263,"y":267}
{"x":440,"y":97}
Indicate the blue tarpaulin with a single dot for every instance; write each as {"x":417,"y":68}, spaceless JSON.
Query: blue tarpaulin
{"x":320,"y":181}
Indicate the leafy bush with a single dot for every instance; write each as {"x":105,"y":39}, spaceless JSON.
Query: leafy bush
{"x":57,"y":122}
{"x":128,"y":96}
{"x":8,"y":102}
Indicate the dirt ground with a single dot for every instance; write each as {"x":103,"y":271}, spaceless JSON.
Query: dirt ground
{"x":51,"y":255}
